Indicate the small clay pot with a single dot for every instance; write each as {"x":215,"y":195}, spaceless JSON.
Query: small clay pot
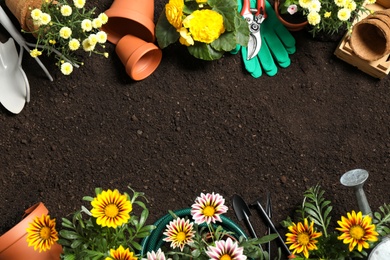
{"x":21,"y":9}
{"x":292,"y":27}
{"x":13,"y":244}
{"x":130,"y":17}
{"x":140,"y":58}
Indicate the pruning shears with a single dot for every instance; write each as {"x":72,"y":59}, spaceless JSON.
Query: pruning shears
{"x":254,"y":18}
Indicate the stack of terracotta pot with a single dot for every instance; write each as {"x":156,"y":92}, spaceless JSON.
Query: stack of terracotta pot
{"x":370,"y":39}
{"x":130,"y":26}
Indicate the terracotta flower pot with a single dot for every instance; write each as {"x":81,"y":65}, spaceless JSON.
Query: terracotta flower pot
{"x":21,"y":9}
{"x":13,"y":244}
{"x":293,"y":27}
{"x":140,"y":58}
{"x":130,"y":17}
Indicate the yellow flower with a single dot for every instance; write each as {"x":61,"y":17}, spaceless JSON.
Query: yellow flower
{"x":174,"y":12}
{"x":87,"y":46}
{"x":121,"y":254}
{"x":351,"y":5}
{"x":314,"y":6}
{"x":86,"y":25}
{"x":111,"y":209}
{"x":340,"y":3}
{"x":35,"y":53}
{"x":74,"y":44}
{"x":93,"y":39}
{"x":66,"y":10}
{"x":304,"y":3}
{"x":65,"y":32}
{"x":45,"y":19}
{"x":101,"y":37}
{"x":52,"y":42}
{"x":327,"y":14}
{"x":204,"y":25}
{"x":41,"y":233}
{"x":344,"y":14}
{"x":302,"y":237}
{"x":179,"y":232}
{"x":103,"y":18}
{"x":357,"y":230}
{"x":79,"y":3}
{"x":36,"y":14}
{"x":185,"y":37}
{"x":371,"y":2}
{"x":66,"y":68}
{"x":106,"y":54}
{"x":313,"y":18}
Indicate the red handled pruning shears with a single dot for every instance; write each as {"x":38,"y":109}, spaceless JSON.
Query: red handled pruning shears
{"x":254,"y":18}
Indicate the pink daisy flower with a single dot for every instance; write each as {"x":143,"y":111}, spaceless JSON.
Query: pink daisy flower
{"x":179,"y":232}
{"x":208,"y":208}
{"x":226,"y":250}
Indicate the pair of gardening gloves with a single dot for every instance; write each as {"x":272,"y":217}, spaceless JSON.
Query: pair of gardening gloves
{"x":276,"y":45}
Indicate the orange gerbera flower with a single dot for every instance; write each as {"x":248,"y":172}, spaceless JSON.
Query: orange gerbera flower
{"x":302,"y":237}
{"x":41,"y":233}
{"x":357,"y":230}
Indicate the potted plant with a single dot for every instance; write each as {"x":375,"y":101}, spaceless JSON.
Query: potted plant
{"x":289,"y":15}
{"x":311,"y":235}
{"x":208,"y":28}
{"x":202,"y":232}
{"x":324,"y":16}
{"x":61,"y":28}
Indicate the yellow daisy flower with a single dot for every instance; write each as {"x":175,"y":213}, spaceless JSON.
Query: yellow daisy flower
{"x":357,"y":230}
{"x":36,"y":14}
{"x":121,"y":254}
{"x":41,"y":233}
{"x":179,"y":232}
{"x":86,"y":25}
{"x":66,"y":68}
{"x":35,"y":53}
{"x":302,"y":237}
{"x":111,"y":208}
{"x":74,"y":44}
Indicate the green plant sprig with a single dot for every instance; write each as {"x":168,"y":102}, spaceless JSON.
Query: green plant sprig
{"x":382,"y":220}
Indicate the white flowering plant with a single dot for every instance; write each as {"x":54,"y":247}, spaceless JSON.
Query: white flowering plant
{"x":208,"y":28}
{"x":327,"y":16}
{"x":64,"y":28}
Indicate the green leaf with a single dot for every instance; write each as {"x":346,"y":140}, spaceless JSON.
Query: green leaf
{"x":225,"y":42}
{"x":204,"y":51}
{"x":76,"y":243}
{"x":166,"y":34}
{"x":69,"y":234}
{"x":242,"y":32}
{"x":88,"y":198}
{"x":228,"y":9}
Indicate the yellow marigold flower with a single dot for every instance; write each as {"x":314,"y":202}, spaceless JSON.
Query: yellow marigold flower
{"x":35,"y":53}
{"x":86,"y":25}
{"x":111,"y":208}
{"x":327,"y":14}
{"x":313,"y":18}
{"x":65,"y":32}
{"x":357,"y":230}
{"x":314,"y":6}
{"x":74,"y":44}
{"x":103,"y":18}
{"x":185,"y":37}
{"x":45,"y":19}
{"x":41,"y":233}
{"x":96,"y":23}
{"x":121,"y":254}
{"x":304,"y":3}
{"x":79,"y":3}
{"x":204,"y":25}
{"x":344,"y":14}
{"x":174,"y":12}
{"x":93,"y":39}
{"x":302,"y":238}
{"x":87,"y":46}
{"x":36,"y":14}
{"x":351,"y":5}
{"x":66,"y":68}
{"x":66,"y":10}
{"x":340,"y":3}
{"x":101,"y":37}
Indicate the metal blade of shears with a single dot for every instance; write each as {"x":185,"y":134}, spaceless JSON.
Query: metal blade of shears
{"x":254,"y":43}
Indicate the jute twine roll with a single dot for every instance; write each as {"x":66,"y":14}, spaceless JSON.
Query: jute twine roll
{"x":21,"y":9}
{"x":370,"y":39}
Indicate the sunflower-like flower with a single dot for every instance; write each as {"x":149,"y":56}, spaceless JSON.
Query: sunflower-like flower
{"x":357,"y":230}
{"x":302,"y":237}
{"x":41,"y":233}
{"x":204,"y":25}
{"x":208,"y":208}
{"x":111,"y":208}
{"x":226,"y":249}
{"x":179,"y":232}
{"x":121,"y":254}
{"x":159,"y":255}
{"x":174,"y":12}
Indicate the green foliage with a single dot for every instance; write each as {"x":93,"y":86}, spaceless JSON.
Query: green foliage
{"x":382,"y":220}
{"x":82,"y":238}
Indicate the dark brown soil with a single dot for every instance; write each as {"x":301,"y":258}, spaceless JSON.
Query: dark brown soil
{"x":195,"y":126}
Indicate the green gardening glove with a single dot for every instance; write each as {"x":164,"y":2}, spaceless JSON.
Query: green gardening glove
{"x":276,"y":45}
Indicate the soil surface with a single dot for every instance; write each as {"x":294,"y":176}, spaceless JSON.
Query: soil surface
{"x":196,"y":126}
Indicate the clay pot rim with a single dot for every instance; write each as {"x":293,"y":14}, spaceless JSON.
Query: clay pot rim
{"x":8,"y":238}
{"x":289,"y":25}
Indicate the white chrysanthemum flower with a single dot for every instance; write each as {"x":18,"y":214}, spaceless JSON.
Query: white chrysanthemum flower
{"x":103,"y":18}
{"x":66,"y":68}
{"x":79,"y":3}
{"x":159,"y":255}
{"x":344,"y":14}
{"x":65,"y":32}
{"x":93,"y":39}
{"x":74,"y":44}
{"x":96,"y":23}
{"x":66,"y":10}
{"x":86,"y":25}
{"x":313,"y":18}
{"x":87,"y":46}
{"x":228,"y":249}
{"x":340,"y":3}
{"x":45,"y":19}
{"x":351,"y":5}
{"x":315,"y":6}
{"x":36,"y":14}
{"x":304,"y":3}
{"x":102,"y":37}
